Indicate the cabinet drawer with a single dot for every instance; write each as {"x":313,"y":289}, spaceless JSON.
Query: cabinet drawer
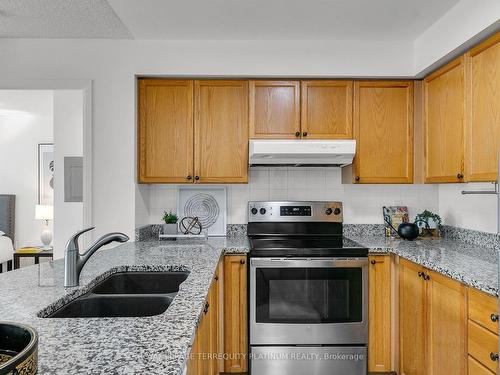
{"x":475,"y":368}
{"x":483,"y":343}
{"x":483,"y":309}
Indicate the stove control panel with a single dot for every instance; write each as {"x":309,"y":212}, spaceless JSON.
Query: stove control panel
{"x":262,"y":211}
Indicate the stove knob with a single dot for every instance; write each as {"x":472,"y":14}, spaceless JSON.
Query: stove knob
{"x":337,"y":211}
{"x":262,"y":211}
{"x":328,"y":211}
{"x":254,"y":211}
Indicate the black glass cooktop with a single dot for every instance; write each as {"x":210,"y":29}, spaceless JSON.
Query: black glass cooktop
{"x":312,"y":246}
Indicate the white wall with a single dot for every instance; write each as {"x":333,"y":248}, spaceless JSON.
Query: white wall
{"x":68,"y":141}
{"x":26,"y":119}
{"x":112,"y":65}
{"x":477,"y":212}
{"x":459,"y":24}
{"x":362,"y":203}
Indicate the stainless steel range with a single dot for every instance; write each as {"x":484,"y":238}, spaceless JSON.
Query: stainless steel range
{"x":308,"y":291}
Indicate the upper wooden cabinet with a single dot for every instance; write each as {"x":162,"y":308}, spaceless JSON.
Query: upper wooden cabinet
{"x":383,"y":129}
{"x":326,"y":109}
{"x":274,"y":109}
{"x":444,"y":120}
{"x":192,"y":131}
{"x":483,"y":111}
{"x":165,"y":131}
{"x":221,"y":131}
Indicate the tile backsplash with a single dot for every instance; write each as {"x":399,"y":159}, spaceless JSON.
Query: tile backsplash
{"x":362,"y":203}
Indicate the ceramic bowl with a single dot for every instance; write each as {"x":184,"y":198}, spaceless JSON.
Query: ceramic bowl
{"x":18,"y":349}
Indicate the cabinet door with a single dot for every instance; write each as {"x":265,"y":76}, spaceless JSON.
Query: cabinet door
{"x":412,"y":323}
{"x":447,"y":325}
{"x":444,"y":102}
{"x":483,"y":112}
{"x":165,"y":133}
{"x":235,"y":313}
{"x":380,"y":313}
{"x":274,"y":109}
{"x":326,"y":109}
{"x":221,"y":131}
{"x":383,"y":129}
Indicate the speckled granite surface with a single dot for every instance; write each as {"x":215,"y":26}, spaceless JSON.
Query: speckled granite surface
{"x":148,"y":345}
{"x":471,"y":264}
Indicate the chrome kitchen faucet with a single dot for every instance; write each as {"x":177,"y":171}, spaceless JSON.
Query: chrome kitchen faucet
{"x":74,"y":261}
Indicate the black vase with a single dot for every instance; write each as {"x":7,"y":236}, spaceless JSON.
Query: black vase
{"x":408,"y":231}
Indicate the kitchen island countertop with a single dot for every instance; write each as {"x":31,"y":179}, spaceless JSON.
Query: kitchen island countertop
{"x":153,"y":345}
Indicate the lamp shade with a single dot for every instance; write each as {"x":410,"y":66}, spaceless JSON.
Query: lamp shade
{"x":44,"y":212}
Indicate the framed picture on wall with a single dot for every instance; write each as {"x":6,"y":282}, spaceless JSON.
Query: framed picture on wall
{"x":46,"y":173}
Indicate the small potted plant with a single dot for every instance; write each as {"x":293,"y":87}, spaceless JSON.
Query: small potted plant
{"x":431,"y":223}
{"x":170,"y":220}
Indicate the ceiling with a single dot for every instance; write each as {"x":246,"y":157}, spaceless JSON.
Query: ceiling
{"x":221,"y":19}
{"x":60,"y":19}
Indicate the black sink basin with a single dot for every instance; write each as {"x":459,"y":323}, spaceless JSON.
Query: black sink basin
{"x":119,"y":305}
{"x":141,"y":283}
{"x":126,"y":294}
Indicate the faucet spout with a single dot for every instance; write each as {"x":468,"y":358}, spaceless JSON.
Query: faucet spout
{"x":74,"y":261}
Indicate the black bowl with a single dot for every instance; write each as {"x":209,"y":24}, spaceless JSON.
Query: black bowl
{"x":408,"y":231}
{"x":18,"y":349}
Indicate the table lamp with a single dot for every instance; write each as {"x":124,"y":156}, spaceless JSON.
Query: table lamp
{"x":45,"y":212}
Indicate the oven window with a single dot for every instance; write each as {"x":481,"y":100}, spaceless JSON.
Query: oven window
{"x":309,"y":295}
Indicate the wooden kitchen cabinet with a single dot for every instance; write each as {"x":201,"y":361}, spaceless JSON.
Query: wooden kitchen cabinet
{"x":483,"y":110}
{"x":380,"y":312}
{"x":165,"y":130}
{"x":221,"y":131}
{"x":203,"y":359}
{"x":433,"y":322}
{"x":444,"y":121}
{"x":274,"y":110}
{"x":326,"y":109}
{"x":192,"y":131}
{"x":446,"y":325}
{"x":235,"y":313}
{"x":411,"y":319}
{"x":383,"y":129}
{"x":482,"y":333}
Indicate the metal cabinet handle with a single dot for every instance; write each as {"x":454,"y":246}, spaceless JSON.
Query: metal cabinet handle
{"x":420,"y":274}
{"x":494,"y":318}
{"x":196,"y":178}
{"x":373,"y":261}
{"x":216,"y":278}
{"x":205,"y":309}
{"x":494,"y":356}
{"x":426,"y":277}
{"x":297,"y":134}
{"x":304,"y":134}
{"x":460,"y":176}
{"x":189,"y":177}
{"x":357,"y":178}
{"x":242,"y":261}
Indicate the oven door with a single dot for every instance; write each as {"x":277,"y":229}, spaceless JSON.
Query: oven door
{"x":318,"y":301}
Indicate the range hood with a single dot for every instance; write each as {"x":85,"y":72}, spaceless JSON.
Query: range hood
{"x":301,"y":153}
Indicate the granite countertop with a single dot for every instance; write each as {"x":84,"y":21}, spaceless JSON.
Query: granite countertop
{"x":157,"y":344}
{"x":470,"y":264}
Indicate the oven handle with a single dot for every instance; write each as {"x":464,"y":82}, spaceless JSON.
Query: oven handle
{"x":308,"y":262}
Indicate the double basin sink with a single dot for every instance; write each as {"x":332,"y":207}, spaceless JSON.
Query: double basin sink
{"x":126,"y":294}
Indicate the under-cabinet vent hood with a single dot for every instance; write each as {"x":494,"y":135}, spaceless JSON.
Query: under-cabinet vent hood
{"x":301,"y":153}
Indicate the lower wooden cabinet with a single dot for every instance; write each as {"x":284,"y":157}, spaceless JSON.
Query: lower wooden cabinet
{"x":223,"y":327}
{"x":235,"y":313}
{"x":380,"y":312}
{"x":204,"y":358}
{"x":433,"y":322}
